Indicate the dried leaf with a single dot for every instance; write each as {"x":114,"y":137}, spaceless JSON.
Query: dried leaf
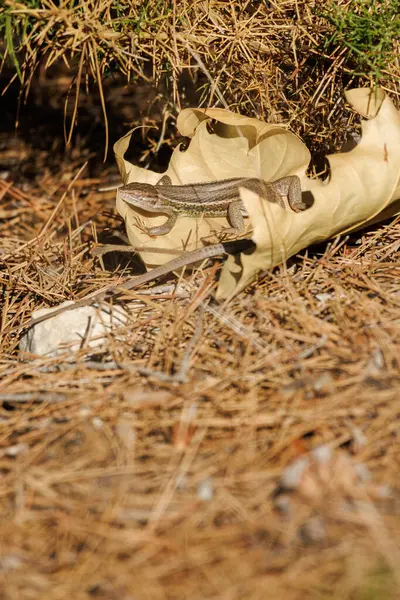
{"x":363,"y":188}
{"x":238,"y":146}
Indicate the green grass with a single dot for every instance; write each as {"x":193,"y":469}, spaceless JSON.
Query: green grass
{"x":14,"y":28}
{"x":8,"y":36}
{"x":380,"y":585}
{"x":367,"y":29}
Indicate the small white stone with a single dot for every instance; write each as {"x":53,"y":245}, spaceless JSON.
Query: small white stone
{"x":362,"y":472}
{"x":323,"y":297}
{"x":322,"y":454}
{"x":313,"y":530}
{"x":126,"y":433}
{"x":322,"y":381}
{"x":97,"y":423}
{"x":16,"y":449}
{"x":383,"y":492}
{"x":85,"y":412}
{"x":205,"y":489}
{"x":284,"y":505}
{"x":376,"y":363}
{"x":291,"y":475}
{"x":11,"y":562}
{"x":68,"y":331}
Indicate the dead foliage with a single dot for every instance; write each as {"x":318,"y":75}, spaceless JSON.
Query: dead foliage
{"x":273,"y":60}
{"x":153,"y":468}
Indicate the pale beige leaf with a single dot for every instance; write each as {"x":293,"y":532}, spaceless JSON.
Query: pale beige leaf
{"x":238,"y":146}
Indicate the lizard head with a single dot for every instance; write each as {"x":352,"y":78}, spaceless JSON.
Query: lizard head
{"x":142,"y":195}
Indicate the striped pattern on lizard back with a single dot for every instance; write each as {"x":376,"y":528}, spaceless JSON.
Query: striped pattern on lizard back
{"x":210,"y":199}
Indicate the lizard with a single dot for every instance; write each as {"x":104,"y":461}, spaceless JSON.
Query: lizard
{"x":224,"y":193}
{"x":210,"y":199}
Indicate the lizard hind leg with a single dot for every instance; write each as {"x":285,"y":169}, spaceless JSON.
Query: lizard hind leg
{"x":291,"y":188}
{"x":235,"y":216}
{"x":165,"y":180}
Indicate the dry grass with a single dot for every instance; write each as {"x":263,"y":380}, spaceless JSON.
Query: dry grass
{"x":272,"y":60}
{"x":150,"y":470}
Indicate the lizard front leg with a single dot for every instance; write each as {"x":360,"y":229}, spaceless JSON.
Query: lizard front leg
{"x":165,"y":227}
